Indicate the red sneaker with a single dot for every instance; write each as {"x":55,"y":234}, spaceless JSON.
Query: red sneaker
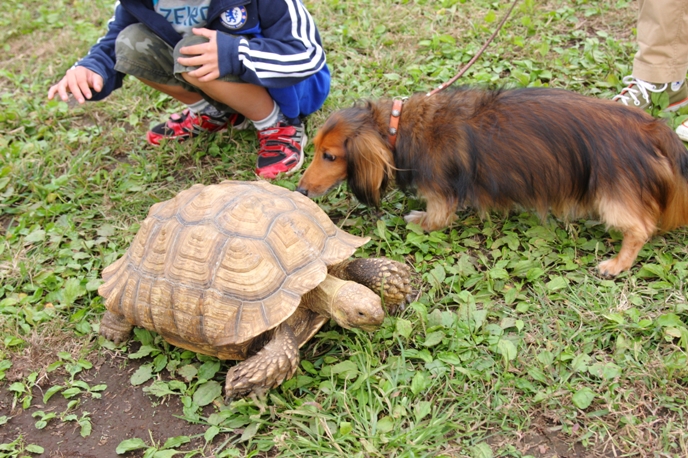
{"x":281,"y":150}
{"x":186,"y":124}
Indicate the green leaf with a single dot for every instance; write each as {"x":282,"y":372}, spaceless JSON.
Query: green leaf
{"x":345,"y":428}
{"x":85,"y":428}
{"x":580,"y":363}
{"x":606,"y":371}
{"x":33,"y":448}
{"x":669,"y":320}
{"x":433,"y":338}
{"x":128,"y":445}
{"x":159,"y":388}
{"x":345,"y":369}
{"x":173,"y":442}
{"x":557,"y":283}
{"x":249,"y":432}
{"x":438,"y":274}
{"x":40,"y":424}
{"x":583,"y":398}
{"x":142,"y":374}
{"x":93,"y":284}
{"x":145,"y":350}
{"x":419,"y":383}
{"x":534,"y":273}
{"x":206,"y":393}
{"x":36,"y":236}
{"x":165,"y":453}
{"x":188,"y":371}
{"x":481,"y":450}
{"x":404,"y":327}
{"x":50,"y":392}
{"x":499,"y":274}
{"x":507,"y":349}
{"x":106,"y":230}
{"x":160,"y":362}
{"x":422,"y":410}
{"x":385,"y":424}
{"x":208,"y":370}
{"x":17,"y":387}
{"x":210,"y":433}
{"x":72,"y":290}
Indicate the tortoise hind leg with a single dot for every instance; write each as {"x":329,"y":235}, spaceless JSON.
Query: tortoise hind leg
{"x":274,"y":363}
{"x":386,"y":277}
{"x":115,"y":327}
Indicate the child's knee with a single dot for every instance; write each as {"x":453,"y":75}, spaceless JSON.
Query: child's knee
{"x":190,"y":40}
{"x":141,"y":53}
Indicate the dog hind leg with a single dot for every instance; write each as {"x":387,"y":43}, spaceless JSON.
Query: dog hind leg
{"x":635,"y":223}
{"x":630,"y":247}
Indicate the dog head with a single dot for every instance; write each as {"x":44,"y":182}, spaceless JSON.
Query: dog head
{"x":350,"y":146}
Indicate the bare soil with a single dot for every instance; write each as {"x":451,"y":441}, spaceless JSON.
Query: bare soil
{"x":123,"y":412}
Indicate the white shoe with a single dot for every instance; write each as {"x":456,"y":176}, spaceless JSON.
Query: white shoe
{"x":682,"y":131}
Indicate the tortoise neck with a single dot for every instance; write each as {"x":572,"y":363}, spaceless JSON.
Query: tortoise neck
{"x":321,"y":299}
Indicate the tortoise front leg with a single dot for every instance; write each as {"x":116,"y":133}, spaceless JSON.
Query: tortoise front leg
{"x":273,"y":364}
{"x":388,"y":278}
{"x":115,"y":327}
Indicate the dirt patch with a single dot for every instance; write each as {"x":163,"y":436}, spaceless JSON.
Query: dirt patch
{"x":551,"y":444}
{"x":123,"y":412}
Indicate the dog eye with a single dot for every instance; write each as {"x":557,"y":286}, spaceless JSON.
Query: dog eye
{"x":329,"y":157}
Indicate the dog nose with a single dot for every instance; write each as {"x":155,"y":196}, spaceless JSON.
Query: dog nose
{"x":303,"y":191}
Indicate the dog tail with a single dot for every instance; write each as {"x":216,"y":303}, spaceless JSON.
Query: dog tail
{"x":670,"y":146}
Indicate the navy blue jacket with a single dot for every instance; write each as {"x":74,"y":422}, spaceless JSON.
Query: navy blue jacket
{"x":271,"y":43}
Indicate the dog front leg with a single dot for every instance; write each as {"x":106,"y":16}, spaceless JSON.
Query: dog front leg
{"x":441,"y":212}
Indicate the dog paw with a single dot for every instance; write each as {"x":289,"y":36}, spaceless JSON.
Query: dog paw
{"x":611,"y":267}
{"x":415,"y":217}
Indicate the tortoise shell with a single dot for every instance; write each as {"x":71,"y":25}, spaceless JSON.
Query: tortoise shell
{"x":217,"y":266}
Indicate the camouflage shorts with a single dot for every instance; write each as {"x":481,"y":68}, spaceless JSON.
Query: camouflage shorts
{"x":143,"y":54}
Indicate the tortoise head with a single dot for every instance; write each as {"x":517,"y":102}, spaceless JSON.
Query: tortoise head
{"x":355,"y":306}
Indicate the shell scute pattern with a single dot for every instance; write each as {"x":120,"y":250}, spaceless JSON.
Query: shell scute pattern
{"x":251,"y":216}
{"x":159,"y":242}
{"x":296,"y":241}
{"x":216,"y":266}
{"x":197,"y":251}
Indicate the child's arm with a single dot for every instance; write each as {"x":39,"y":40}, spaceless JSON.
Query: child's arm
{"x":97,"y":70}
{"x":288,"y":51}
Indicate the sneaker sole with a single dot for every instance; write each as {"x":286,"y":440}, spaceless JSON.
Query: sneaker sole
{"x":155,"y":139}
{"x":677,"y":105}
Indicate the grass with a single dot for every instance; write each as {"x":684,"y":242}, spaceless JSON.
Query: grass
{"x":514,"y":345}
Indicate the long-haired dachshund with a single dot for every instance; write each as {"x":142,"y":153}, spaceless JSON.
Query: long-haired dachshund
{"x":538,"y":148}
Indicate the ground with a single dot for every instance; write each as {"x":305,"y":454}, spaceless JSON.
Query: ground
{"x":124,"y":412}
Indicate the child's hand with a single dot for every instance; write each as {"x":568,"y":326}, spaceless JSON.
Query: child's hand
{"x":79,"y":81}
{"x":204,"y":56}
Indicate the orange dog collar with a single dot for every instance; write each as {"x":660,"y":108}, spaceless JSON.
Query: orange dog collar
{"x":394,"y":121}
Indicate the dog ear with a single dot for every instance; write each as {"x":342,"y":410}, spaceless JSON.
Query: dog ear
{"x":370,"y":164}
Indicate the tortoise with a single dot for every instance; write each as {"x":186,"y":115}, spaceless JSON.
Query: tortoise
{"x":239,"y":271}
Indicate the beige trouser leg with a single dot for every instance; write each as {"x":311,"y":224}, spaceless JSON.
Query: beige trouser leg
{"x":662,"y":55}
